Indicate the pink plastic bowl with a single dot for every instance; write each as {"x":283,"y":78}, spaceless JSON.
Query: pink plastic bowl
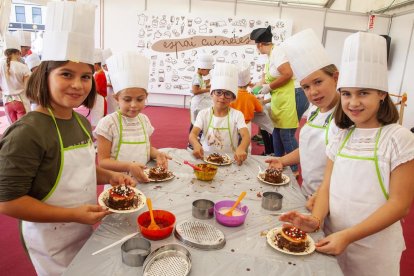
{"x":233,"y":220}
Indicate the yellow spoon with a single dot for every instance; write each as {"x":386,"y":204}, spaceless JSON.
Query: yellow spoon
{"x":153,"y":225}
{"x":230,"y":212}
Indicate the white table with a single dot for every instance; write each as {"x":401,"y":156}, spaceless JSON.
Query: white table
{"x":246,"y":251}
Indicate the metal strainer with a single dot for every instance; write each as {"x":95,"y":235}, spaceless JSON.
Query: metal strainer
{"x":170,"y":259}
{"x":200,"y":235}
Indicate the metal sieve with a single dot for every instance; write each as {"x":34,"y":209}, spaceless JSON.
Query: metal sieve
{"x":170,"y":259}
{"x":199,"y":235}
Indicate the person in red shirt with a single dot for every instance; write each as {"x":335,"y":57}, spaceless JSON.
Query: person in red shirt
{"x":99,"y":110}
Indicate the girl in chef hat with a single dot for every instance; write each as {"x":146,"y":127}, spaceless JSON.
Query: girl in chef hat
{"x":13,"y":77}
{"x":48,"y":175}
{"x":367,"y":187}
{"x":221,"y":124}
{"x":124,"y":136}
{"x":318,"y":76}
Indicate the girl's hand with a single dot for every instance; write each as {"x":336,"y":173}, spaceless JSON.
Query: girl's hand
{"x":274,"y":163}
{"x":162,"y":160}
{"x":333,"y":244}
{"x":240,"y":155}
{"x":303,"y":222}
{"x":90,"y":214}
{"x":198,"y":152}
{"x":137,"y":171}
{"x":118,"y":178}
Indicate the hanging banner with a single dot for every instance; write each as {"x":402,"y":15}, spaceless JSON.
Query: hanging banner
{"x":371,"y":22}
{"x":172,"y":43}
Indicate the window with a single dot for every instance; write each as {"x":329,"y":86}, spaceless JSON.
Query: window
{"x":37,"y":15}
{"x":20,"y":14}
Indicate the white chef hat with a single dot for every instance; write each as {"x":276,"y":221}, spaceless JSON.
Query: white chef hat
{"x":364,"y":62}
{"x":25,"y":38}
{"x":11,"y":42}
{"x":204,"y":61}
{"x":32,"y":60}
{"x":128,"y":70}
{"x":244,"y":77}
{"x":305,"y":53}
{"x":97,"y":55}
{"x":224,"y":76}
{"x":69,"y":32}
{"x":106,"y":53}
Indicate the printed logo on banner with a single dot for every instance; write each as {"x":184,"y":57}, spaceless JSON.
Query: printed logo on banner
{"x":172,"y":43}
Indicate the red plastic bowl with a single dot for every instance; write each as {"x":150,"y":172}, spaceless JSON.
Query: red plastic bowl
{"x":164,"y":219}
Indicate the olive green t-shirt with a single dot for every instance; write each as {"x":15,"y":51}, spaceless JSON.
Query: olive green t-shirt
{"x":30,"y":154}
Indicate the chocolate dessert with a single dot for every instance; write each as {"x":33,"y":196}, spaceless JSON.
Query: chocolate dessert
{"x":216,"y":158}
{"x":292,"y":239}
{"x":273,"y":175}
{"x":158,"y":173}
{"x":122,"y":198}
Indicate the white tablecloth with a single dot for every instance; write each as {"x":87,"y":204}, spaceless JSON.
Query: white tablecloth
{"x":246,"y":251}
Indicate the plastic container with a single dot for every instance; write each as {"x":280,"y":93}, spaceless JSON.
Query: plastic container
{"x":231,"y":221}
{"x":256,"y":90}
{"x":208,"y":172}
{"x":203,"y":209}
{"x":164,"y":219}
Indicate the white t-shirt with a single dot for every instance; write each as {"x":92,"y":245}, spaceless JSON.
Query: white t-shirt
{"x":13,"y":84}
{"x":277,"y":58}
{"x":236,"y":119}
{"x":108,"y":127}
{"x":395,"y":146}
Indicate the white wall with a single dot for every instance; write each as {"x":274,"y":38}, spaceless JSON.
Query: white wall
{"x":120,"y":28}
{"x":402,"y":62}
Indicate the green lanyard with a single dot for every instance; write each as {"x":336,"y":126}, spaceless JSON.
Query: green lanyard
{"x":325,"y":126}
{"x":222,"y":128}
{"x":374,"y":158}
{"x":125,"y":142}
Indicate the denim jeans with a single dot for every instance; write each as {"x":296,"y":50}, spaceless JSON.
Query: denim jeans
{"x":302,"y":103}
{"x":284,"y":142}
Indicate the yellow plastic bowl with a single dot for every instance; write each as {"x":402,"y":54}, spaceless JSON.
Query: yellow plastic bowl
{"x":208,"y":172}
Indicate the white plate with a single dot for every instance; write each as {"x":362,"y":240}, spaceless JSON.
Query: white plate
{"x":271,"y":235}
{"x":227,"y":161}
{"x":285,"y":178}
{"x":171,"y":176}
{"x":103,"y":197}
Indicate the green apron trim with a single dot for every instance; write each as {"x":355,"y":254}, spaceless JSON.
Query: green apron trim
{"x":325,"y":126}
{"x":62,"y":149}
{"x":374,"y":158}
{"x":222,"y":128}
{"x":129,"y":143}
{"x":281,"y":97}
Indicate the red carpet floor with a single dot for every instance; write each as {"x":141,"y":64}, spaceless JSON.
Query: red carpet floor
{"x":171,"y":130}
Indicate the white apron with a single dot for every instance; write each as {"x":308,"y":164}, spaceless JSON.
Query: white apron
{"x":357,"y":190}
{"x":218,"y":137}
{"x":313,"y":139}
{"x":52,"y":246}
{"x":199,"y":102}
{"x":134,"y":149}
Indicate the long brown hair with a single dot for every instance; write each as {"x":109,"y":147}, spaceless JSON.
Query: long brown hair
{"x":37,"y":89}
{"x":387,"y":113}
{"x":8,"y":53}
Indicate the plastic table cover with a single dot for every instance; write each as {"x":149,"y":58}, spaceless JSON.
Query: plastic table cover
{"x":246,"y":251}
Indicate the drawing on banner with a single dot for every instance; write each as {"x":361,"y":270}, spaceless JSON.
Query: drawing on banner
{"x":173,"y":42}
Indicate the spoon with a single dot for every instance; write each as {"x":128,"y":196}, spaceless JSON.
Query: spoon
{"x":230,"y":212}
{"x":193,"y":166}
{"x":153,"y":225}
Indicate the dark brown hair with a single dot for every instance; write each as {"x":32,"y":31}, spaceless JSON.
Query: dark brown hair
{"x":37,"y":89}
{"x":8,"y":53}
{"x":387,"y":113}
